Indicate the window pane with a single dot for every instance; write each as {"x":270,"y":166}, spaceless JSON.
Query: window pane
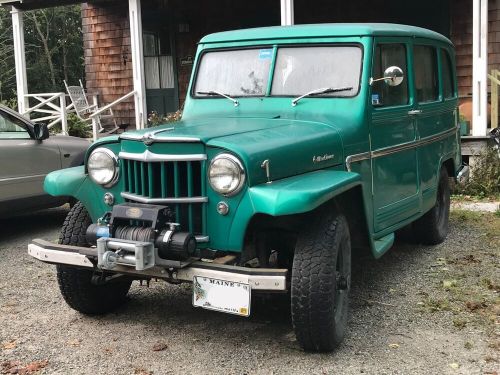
{"x":425,"y":74}
{"x":387,"y":55}
{"x":447,"y":72}
{"x":152,"y":72}
{"x":304,"y":69}
{"x":167,"y":72}
{"x":235,"y":73}
{"x":150,"y":43}
{"x":10,"y":130}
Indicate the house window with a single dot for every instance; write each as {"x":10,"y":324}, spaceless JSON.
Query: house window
{"x":158,"y":61}
{"x":387,"y":55}
{"x":426,"y":82}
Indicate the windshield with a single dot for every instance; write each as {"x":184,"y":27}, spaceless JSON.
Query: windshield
{"x":297,"y":70}
{"x":235,"y":73}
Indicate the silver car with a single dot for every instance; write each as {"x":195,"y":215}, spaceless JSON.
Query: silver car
{"x":27,"y":155}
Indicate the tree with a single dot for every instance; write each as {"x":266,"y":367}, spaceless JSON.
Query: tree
{"x":7,"y":67}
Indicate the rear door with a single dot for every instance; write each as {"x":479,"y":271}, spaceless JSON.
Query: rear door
{"x":395,"y":179}
{"x":436,"y":102}
{"x":24,"y":162}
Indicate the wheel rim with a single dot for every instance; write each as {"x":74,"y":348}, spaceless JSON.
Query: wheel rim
{"x":342,"y":284}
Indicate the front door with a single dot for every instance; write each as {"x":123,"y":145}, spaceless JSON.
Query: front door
{"x":159,"y":72}
{"x":394,"y":161}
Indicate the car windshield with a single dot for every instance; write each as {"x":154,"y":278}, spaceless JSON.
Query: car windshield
{"x":297,"y":71}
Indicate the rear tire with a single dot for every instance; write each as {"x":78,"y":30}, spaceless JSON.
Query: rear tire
{"x":76,"y":284}
{"x":321,"y":282}
{"x":433,"y":227}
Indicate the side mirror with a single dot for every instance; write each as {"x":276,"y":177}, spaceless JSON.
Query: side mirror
{"x":41,"y":131}
{"x":393,"y":76}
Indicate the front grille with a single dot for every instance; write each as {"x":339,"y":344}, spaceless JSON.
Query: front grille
{"x":177,"y":181}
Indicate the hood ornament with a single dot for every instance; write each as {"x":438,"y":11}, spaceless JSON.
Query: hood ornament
{"x":149,"y":138}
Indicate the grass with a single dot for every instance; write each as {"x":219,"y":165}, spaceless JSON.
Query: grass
{"x":467,"y":284}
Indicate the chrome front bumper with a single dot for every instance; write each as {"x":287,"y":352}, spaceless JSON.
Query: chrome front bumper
{"x":263,"y":279}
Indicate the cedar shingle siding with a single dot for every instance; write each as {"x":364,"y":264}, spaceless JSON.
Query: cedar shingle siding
{"x":108,"y":63}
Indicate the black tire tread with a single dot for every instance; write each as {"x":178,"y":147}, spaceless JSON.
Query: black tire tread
{"x":75,"y":283}
{"x":313,"y":284}
{"x":427,"y":229}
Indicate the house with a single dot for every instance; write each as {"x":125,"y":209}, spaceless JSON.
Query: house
{"x":145,"y":48}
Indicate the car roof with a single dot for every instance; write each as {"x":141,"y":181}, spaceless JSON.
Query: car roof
{"x":324,"y":30}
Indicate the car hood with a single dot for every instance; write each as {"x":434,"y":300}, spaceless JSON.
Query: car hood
{"x":291,"y":146}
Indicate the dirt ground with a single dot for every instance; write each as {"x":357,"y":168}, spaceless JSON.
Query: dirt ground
{"x":417,"y":310}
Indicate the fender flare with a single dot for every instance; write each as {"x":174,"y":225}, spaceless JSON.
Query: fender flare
{"x":289,"y":196}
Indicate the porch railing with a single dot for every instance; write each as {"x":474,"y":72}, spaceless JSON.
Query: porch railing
{"x":49,"y":107}
{"x":52,"y":108}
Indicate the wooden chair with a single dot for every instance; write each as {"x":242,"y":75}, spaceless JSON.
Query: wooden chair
{"x":83,"y":109}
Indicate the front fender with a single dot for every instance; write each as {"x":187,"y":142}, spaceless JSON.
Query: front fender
{"x":64,"y":182}
{"x":294,"y":195}
{"x":73,"y":182}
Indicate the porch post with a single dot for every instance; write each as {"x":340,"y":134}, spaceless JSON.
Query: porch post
{"x":479,"y":67}
{"x":20,"y":60}
{"x":137,"y":62}
{"x":287,"y":16}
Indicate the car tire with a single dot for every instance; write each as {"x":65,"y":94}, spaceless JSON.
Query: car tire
{"x":75,"y":284}
{"x":432,"y":228}
{"x":321,"y":282}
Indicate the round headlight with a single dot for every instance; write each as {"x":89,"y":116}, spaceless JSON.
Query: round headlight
{"x":226,"y":174}
{"x":102,"y":166}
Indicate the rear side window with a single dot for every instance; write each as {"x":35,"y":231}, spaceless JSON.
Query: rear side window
{"x":426,"y":82}
{"x":387,"y":55}
{"x":447,"y":72}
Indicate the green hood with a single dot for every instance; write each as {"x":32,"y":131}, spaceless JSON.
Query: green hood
{"x":291,"y":146}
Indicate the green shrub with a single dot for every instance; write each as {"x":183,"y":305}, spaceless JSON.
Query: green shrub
{"x":76,"y":127}
{"x":485,"y":175}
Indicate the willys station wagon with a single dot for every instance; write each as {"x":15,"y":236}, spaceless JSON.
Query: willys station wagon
{"x":297,"y":145}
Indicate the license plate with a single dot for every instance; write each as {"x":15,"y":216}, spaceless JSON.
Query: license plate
{"x":221,"y":295}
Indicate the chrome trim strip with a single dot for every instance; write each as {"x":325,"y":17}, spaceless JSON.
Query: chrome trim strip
{"x":21,"y":177}
{"x":398,"y":148}
{"x":202,"y":239}
{"x":151,"y":138}
{"x":141,"y":199}
{"x":151,"y":156}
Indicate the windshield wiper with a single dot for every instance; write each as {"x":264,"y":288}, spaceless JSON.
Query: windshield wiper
{"x":324,"y":90}
{"x":216,"y":93}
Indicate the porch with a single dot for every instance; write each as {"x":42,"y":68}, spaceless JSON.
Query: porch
{"x":138,"y":58}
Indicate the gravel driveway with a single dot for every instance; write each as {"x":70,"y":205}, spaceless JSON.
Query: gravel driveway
{"x":418,"y":310}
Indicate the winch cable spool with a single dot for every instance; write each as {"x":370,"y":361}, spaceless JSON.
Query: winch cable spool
{"x":141,"y":234}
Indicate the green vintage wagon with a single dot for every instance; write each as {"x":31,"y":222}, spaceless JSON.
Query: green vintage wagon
{"x":297,"y":144}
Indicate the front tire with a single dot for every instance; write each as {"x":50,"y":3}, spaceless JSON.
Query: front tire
{"x":321,"y":282}
{"x":76,"y":284}
{"x":433,"y":227}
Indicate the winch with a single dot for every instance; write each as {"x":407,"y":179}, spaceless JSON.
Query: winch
{"x":140,"y":235}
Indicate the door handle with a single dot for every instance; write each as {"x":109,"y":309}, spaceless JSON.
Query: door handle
{"x":415,"y":112}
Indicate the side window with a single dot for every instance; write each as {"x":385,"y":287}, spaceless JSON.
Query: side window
{"x":387,"y":55}
{"x":447,"y":72}
{"x":10,"y":128}
{"x":426,"y":82}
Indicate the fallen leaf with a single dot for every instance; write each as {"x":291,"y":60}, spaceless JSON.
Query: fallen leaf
{"x":74,"y":343}
{"x":448,"y":284}
{"x":159,"y":346}
{"x":15,"y":367}
{"x":454,"y":365}
{"x":141,"y":371}
{"x":393,"y":346}
{"x":9,"y":345}
{"x":34,"y":367}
